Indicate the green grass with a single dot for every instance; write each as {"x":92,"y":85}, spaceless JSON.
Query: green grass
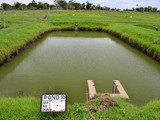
{"x":18,"y":30}
{"x":27,"y":25}
{"x":146,"y":38}
{"x":29,"y":109}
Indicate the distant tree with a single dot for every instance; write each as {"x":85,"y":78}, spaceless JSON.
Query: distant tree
{"x":41,"y":5}
{"x":126,"y":9}
{"x":70,"y":4}
{"x":119,"y":9}
{"x":34,"y":2}
{"x":148,"y":9}
{"x":46,"y":5}
{"x":17,"y":5}
{"x":93,"y":7}
{"x":51,"y":6}
{"x":83,"y":6}
{"x":77,"y":6}
{"x":61,"y":3}
{"x":98,"y":7}
{"x":140,"y":9}
{"x":106,"y":8}
{"x":88,"y":5}
{"x":113,"y":9}
{"x":23,"y":6}
{"x":6,"y":6}
{"x":154,"y":9}
{"x":32,"y":5}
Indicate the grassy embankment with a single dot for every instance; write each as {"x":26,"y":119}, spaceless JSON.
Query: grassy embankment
{"x":29,"y":108}
{"x":27,"y":25}
{"x":19,"y":31}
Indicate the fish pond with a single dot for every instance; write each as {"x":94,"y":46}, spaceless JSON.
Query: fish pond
{"x":62,"y":62}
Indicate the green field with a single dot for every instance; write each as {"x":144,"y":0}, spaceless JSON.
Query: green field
{"x":20,"y":28}
{"x":146,"y":20}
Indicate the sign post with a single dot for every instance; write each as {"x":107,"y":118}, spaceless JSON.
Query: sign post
{"x":53,"y":103}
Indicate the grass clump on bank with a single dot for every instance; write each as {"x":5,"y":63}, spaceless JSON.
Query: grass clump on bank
{"x":29,"y":108}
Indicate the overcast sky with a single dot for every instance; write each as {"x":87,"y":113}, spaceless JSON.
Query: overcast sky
{"x":122,"y":4}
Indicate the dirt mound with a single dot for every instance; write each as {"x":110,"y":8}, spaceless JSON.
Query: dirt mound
{"x":105,"y":101}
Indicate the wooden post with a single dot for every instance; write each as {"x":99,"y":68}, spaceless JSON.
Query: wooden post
{"x":91,"y":89}
{"x":76,"y":26}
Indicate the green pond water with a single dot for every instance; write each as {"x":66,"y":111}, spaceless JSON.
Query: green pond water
{"x":62,"y":62}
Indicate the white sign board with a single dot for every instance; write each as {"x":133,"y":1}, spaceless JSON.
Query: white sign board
{"x":53,"y":102}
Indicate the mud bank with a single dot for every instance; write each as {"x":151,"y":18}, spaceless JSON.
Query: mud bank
{"x":16,"y":52}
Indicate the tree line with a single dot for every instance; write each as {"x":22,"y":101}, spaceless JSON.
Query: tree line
{"x":70,"y":5}
{"x":57,"y":4}
{"x":144,"y":9}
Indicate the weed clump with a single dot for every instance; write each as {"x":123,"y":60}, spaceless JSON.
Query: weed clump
{"x":101,"y":102}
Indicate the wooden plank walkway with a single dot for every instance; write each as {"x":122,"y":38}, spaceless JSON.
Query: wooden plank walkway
{"x":117,"y":90}
{"x":91,"y":89}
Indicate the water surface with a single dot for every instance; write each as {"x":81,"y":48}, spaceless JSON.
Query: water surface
{"x":64,"y":61}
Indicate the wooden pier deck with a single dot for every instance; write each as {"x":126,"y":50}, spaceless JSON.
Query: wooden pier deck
{"x":91,"y":89}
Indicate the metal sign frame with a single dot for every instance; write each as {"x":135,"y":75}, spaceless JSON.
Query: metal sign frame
{"x":53,"y":94}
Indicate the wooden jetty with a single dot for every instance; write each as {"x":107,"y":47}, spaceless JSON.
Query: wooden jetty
{"x":117,"y":90}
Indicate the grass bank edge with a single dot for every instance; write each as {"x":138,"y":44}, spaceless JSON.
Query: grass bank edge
{"x":29,"y":108}
{"x":15,"y":39}
{"x":146,"y":40}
